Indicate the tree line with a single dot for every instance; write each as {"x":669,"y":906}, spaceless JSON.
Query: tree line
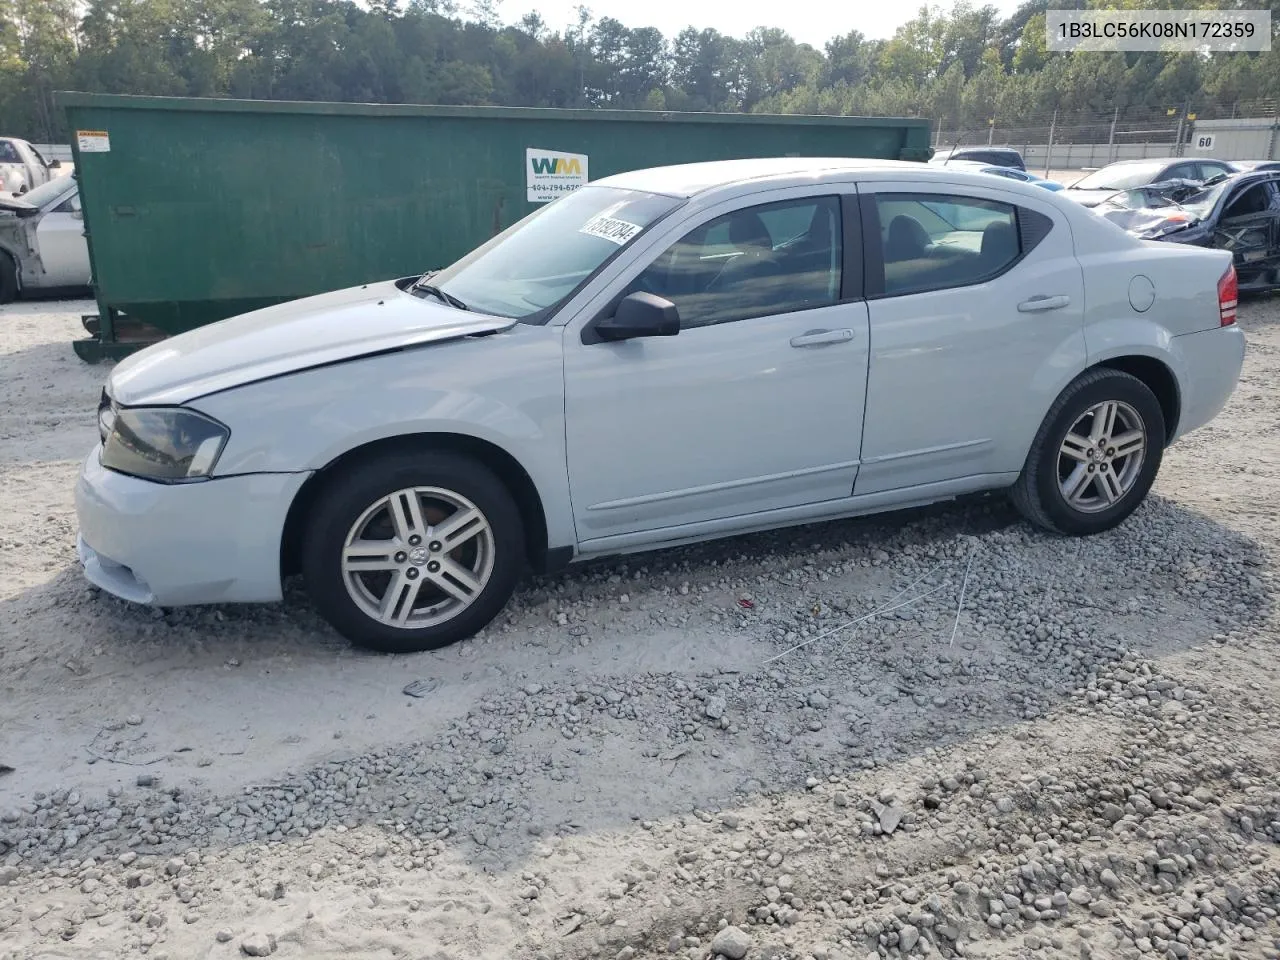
{"x":962,"y":65}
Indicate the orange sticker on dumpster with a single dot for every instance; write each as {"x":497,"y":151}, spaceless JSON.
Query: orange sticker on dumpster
{"x":93,"y":141}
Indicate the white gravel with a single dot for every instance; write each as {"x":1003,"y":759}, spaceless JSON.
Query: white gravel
{"x":688,"y":753}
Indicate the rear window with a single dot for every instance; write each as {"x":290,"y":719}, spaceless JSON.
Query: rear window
{"x":1000,"y":158}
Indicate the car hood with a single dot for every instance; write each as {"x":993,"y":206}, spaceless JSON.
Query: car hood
{"x":290,"y":337}
{"x":1148,"y":222}
{"x":17,"y":205}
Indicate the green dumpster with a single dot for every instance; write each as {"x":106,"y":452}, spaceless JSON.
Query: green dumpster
{"x":200,"y":209}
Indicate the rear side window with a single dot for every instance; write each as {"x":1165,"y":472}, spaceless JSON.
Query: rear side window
{"x":934,"y":241}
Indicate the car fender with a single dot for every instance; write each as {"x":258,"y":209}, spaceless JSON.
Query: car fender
{"x":1132,"y":336}
{"x":505,"y":391}
{"x":17,"y":240}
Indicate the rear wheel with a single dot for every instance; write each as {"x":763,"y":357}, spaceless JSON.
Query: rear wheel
{"x":1095,"y":457}
{"x":412,"y":551}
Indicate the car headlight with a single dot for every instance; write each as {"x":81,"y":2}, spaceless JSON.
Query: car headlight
{"x":168,"y":444}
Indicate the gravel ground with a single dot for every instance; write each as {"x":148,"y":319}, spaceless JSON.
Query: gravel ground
{"x":797,"y":745}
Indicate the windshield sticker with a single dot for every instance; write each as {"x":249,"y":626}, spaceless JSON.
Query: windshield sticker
{"x":611,"y":229}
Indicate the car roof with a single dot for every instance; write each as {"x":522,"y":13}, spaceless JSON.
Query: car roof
{"x":688,"y":179}
{"x":979,"y":148}
{"x":708,"y":183}
{"x":1153,"y":160}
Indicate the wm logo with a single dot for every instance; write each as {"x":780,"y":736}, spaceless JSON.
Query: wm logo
{"x":560,"y":165}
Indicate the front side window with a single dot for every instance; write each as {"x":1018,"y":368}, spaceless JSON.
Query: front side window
{"x":761,"y":261}
{"x":1252,"y":200}
{"x":538,"y":262}
{"x":934,"y":241}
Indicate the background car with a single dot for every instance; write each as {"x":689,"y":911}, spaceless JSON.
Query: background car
{"x":659,"y":357}
{"x":1095,"y":187}
{"x":995,"y":156}
{"x":1240,"y":214}
{"x":22,"y":168}
{"x":42,"y":244}
{"x":1009,"y":173}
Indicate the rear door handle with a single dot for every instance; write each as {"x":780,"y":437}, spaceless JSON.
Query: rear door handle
{"x":1036,"y":304}
{"x":816,"y":338}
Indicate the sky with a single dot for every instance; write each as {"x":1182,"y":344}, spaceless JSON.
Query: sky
{"x":809,"y":21}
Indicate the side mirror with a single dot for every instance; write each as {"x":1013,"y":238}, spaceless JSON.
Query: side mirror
{"x":77,"y":214}
{"x":640,"y":315}
{"x":54,"y":165}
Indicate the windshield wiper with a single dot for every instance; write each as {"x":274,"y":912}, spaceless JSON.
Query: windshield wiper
{"x":435,"y":291}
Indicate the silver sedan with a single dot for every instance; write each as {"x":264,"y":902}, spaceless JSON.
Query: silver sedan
{"x":660,"y":357}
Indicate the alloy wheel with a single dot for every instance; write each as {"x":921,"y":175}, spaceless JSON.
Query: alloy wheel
{"x":418,"y":557}
{"x":1101,"y":456}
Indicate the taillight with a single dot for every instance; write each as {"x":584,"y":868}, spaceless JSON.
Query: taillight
{"x":1228,"y":294}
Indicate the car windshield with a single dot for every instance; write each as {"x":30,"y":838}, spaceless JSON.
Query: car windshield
{"x":1120,"y":177}
{"x":542,"y":259}
{"x":1201,"y":202}
{"x":49,"y":190}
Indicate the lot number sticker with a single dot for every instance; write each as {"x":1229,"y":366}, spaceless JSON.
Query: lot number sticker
{"x":610,"y":228}
{"x":93,"y":141}
{"x":550,"y":174}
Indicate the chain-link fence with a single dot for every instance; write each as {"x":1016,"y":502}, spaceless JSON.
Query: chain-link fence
{"x":1063,"y":141}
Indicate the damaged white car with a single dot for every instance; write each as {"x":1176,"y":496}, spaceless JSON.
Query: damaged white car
{"x":22,"y":168}
{"x":42,"y":244}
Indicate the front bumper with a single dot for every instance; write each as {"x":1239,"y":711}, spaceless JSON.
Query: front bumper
{"x":215,"y":541}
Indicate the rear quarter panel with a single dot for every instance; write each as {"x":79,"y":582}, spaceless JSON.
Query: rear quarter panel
{"x":1181,"y":327}
{"x":1184,"y":281}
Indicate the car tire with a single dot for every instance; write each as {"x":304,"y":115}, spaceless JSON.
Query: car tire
{"x":374,"y":570}
{"x":8,"y":278}
{"x":1077,"y":480}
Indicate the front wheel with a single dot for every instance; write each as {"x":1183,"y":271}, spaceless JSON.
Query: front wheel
{"x":412,"y":551}
{"x":1095,"y":457}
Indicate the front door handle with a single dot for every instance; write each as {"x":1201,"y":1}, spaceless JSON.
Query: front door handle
{"x":816,"y":338}
{"x":1036,"y":304}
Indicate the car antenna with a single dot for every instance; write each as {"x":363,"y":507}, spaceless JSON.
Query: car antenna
{"x":955,"y":146}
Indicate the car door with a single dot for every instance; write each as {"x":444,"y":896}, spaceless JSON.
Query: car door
{"x":61,"y":244}
{"x":37,"y":172}
{"x":976,"y":305}
{"x":1247,"y":226}
{"x":755,"y":405}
